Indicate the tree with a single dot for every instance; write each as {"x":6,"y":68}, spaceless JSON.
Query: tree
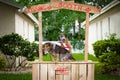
{"x":61,"y":19}
{"x":99,"y":3}
{"x":13,"y":46}
{"x":29,"y":3}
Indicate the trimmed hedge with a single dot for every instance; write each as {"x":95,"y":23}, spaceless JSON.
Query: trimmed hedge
{"x":108,"y":54}
{"x":105,"y":46}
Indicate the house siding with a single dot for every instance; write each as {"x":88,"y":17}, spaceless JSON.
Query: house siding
{"x":103,"y":25}
{"x":7,"y":19}
{"x":24,"y":27}
{"x":11,"y":21}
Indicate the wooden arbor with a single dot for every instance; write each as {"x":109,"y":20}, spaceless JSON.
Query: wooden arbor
{"x":74,"y":70}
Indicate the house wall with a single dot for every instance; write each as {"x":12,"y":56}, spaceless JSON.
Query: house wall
{"x":12,"y":21}
{"x":103,"y":25}
{"x":24,"y":26}
{"x":7,"y":19}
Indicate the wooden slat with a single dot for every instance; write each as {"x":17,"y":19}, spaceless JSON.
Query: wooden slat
{"x":49,"y":62}
{"x":51,"y":71}
{"x":43,"y":72}
{"x":74,"y":72}
{"x":68,"y":76}
{"x":82,"y":71}
{"x":35,"y":72}
{"x":59,"y":77}
{"x":90,"y":72}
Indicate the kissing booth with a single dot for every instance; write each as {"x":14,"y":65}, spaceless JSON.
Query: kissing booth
{"x":82,"y":70}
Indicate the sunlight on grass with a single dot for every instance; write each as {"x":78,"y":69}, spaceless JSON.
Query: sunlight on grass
{"x":77,"y":56}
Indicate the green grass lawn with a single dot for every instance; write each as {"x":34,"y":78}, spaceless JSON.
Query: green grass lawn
{"x":47,"y":58}
{"x":106,"y":77}
{"x":99,"y":76}
{"x":11,"y":76}
{"x":29,"y":77}
{"x":77,"y":57}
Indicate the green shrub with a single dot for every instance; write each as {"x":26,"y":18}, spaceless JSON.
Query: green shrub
{"x":2,"y":62}
{"x":105,"y":46}
{"x":13,"y":46}
{"x":99,"y":47}
{"x":110,"y":62}
{"x":108,"y":53}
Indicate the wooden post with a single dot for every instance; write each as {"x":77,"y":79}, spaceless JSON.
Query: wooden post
{"x":86,"y":37}
{"x":40,"y":35}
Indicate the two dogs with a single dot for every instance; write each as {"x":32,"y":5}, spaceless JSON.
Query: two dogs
{"x":57,"y":52}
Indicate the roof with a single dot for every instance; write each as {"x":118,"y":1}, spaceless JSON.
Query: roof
{"x":11,"y":3}
{"x":105,"y":9}
{"x":19,"y":7}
